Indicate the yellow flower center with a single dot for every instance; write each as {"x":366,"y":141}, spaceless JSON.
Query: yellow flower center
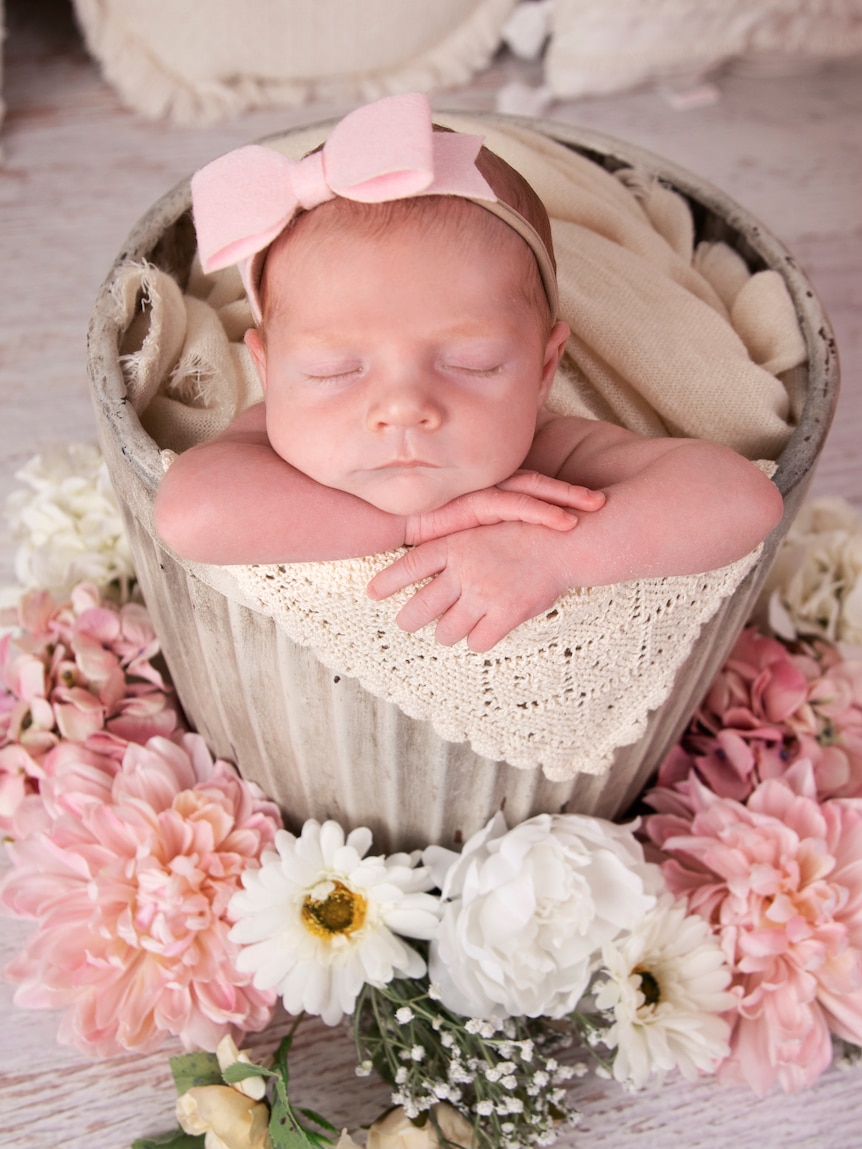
{"x":342,"y":911}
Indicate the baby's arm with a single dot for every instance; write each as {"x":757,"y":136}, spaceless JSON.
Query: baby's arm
{"x":674,"y":507}
{"x":234,"y":500}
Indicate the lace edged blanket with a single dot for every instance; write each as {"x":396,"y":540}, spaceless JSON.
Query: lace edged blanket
{"x":562,"y":691}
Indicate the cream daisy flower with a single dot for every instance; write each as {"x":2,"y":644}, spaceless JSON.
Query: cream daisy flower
{"x":666,"y":985}
{"x":319,"y":919}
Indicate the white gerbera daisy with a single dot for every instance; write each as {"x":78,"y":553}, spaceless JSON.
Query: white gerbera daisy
{"x":318,"y":919}
{"x":666,"y":986}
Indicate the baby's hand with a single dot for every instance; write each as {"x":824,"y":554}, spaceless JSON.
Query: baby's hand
{"x":484,"y":582}
{"x":525,"y":497}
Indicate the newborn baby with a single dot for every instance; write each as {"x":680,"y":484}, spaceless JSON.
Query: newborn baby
{"x":403,"y":285}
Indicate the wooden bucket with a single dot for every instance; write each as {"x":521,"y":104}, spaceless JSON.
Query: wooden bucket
{"x":318,"y":742}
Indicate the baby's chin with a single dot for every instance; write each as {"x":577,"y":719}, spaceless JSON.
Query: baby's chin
{"x":406,"y":506}
{"x":411,"y":495}
{"x":416,"y":490}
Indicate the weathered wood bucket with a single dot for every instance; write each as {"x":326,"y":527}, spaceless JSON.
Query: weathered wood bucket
{"x":318,"y":741}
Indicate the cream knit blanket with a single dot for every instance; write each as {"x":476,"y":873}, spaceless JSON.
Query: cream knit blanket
{"x":667,"y":338}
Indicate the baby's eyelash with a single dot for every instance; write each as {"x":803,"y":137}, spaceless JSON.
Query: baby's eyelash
{"x":495,"y":370}
{"x":335,"y":377}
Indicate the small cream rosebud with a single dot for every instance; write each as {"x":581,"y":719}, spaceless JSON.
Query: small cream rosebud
{"x":229,"y":1119}
{"x":397,"y":1131}
{"x":228,"y":1054}
{"x":345,"y":1141}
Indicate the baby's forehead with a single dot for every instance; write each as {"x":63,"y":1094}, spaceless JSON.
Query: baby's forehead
{"x":417,"y":216}
{"x":457,"y":228}
{"x":448,"y":227}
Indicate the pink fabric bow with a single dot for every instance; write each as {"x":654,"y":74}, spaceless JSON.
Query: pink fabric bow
{"x":383,"y":151}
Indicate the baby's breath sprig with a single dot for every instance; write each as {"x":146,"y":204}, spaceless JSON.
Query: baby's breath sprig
{"x":499,"y":1074}
{"x":591,"y":1027}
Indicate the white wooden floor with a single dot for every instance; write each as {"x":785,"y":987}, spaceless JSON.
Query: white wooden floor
{"x":78,"y":170}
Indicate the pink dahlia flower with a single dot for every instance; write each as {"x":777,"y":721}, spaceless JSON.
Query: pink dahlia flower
{"x":128,"y":872}
{"x":780,"y":881}
{"x":81,"y":672}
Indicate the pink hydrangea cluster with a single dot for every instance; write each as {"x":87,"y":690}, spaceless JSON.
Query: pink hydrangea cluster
{"x":779,"y":878}
{"x":77,"y":672}
{"x":769,"y":707}
{"x":128,"y":866}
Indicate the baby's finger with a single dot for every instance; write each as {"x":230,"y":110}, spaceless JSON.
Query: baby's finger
{"x":556,"y":491}
{"x":486,"y":634}
{"x":496,"y":506}
{"x":420,"y":563}
{"x":429,"y":602}
{"x":457,"y":623}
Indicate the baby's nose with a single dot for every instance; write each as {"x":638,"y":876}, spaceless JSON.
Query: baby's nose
{"x":409,"y":405}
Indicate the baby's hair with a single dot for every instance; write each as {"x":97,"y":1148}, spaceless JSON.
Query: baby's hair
{"x":429,"y":211}
{"x":510,"y":186}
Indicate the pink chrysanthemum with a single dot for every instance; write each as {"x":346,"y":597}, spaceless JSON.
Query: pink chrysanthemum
{"x":83,"y":672}
{"x":128,"y":871}
{"x":769,"y":707}
{"x":780,"y":880}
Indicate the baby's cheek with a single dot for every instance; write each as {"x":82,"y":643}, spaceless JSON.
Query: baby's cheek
{"x":292,"y":438}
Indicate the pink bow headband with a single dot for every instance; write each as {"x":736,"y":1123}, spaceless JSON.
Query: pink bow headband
{"x":383,"y":151}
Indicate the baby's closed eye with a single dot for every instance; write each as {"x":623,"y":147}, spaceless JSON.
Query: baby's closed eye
{"x":323,"y":373}
{"x":470,"y":369}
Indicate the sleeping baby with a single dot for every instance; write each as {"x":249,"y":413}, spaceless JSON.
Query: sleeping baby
{"x":403,"y":286}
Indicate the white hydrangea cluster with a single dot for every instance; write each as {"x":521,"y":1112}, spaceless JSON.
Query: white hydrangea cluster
{"x":815,"y":585}
{"x":67,"y":524}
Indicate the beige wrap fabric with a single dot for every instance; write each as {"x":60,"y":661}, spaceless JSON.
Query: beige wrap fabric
{"x":667,"y":339}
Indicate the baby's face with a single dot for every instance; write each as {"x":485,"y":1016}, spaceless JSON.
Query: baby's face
{"x":405,"y":368}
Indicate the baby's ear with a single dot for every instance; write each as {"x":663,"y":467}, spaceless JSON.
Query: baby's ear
{"x":554,"y":349}
{"x":254,"y":342}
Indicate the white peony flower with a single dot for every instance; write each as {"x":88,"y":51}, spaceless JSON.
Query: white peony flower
{"x":318,"y":919}
{"x":666,"y":984}
{"x":815,"y":585}
{"x":525,"y":912}
{"x":66,"y":522}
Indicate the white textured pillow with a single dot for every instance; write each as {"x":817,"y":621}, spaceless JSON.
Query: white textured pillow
{"x":601,"y":46}
{"x":200,"y":62}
